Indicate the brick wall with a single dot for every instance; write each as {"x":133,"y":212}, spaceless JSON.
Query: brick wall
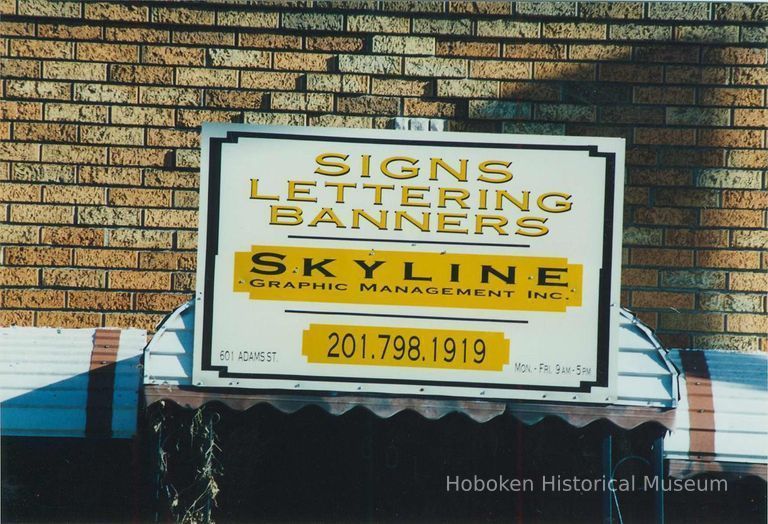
{"x":102,"y":102}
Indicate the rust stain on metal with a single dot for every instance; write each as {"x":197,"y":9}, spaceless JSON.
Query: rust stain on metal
{"x":101,"y":383}
{"x":701,"y":409}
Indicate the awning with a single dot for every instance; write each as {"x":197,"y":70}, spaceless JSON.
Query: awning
{"x":722,"y":419}
{"x":647,"y":386}
{"x":70,"y":382}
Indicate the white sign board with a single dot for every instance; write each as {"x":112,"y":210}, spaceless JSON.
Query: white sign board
{"x":410,"y":263}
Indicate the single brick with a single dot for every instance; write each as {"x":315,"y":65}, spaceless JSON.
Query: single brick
{"x":170,"y":55}
{"x":732,"y":218}
{"x":139,"y":156}
{"x":198,"y":76}
{"x":42,"y":48}
{"x":747,"y":323}
{"x":731,"y":178}
{"x":124,"y":279}
{"x":313,"y":62}
{"x":109,"y":175}
{"x":19,"y":193}
{"x":19,"y":151}
{"x":38,"y":89}
{"x":87,"y":278}
{"x":99,"y":300}
{"x":530,"y":91}
{"x":399,"y":87}
{"x":146,"y":116}
{"x":68,"y":319}
{"x":632,"y":31}
{"x":313,"y":21}
{"x":755,"y":239}
{"x":170,"y":218}
{"x":618,"y":10}
{"x":435,"y":26}
{"x":18,"y":276}
{"x":499,"y":109}
{"x":75,"y":70}
{"x":159,"y":301}
{"x":247,"y":19}
{"x":565,"y":112}
{"x":73,"y":194}
{"x":44,"y":214}
{"x":546,"y":9}
{"x":43,"y":173}
{"x":693,"y":321}
{"x":459,"y":48}
{"x":183,"y":16}
{"x":533,"y":128}
{"x":665,"y":136}
{"x":106,"y":258}
{"x":133,"y":320}
{"x":667,"y":54}
{"x":18,"y":234}
{"x":72,"y":236}
{"x":207,"y":38}
{"x":125,"y":13}
{"x":631,"y":73}
{"x":16,"y":28}
{"x":757,"y":12}
{"x":687,"y":74}
{"x":679,"y":10}
{"x":746,"y":199}
{"x":741,"y":302}
{"x":499,"y":69}
{"x":403,"y":45}
{"x":234,"y":99}
{"x":75,"y":154}
{"x":575,"y":30}
{"x":747,"y":159}
{"x":141,"y":35}
{"x":172,"y":138}
{"x":757,"y":76}
{"x":239,"y":58}
{"x":269,"y":80}
{"x":632,"y":115}
{"x":664,"y":95}
{"x":377,"y":65}
{"x":757,"y":34}
{"x":733,"y":55}
{"x":170,"y":96}
{"x":433,"y":66}
{"x":564,"y":71}
{"x":662,"y":257}
{"x":687,"y":197}
{"x":274,"y":41}
{"x":378,"y":24}
{"x":746,"y":281}
{"x":364,"y":122}
{"x":431,"y":109}
{"x":337,"y":83}
{"x":696,"y":237}
{"x":140,"y":74}
{"x":693,"y":279}
{"x":635,"y":277}
{"x":76,"y":113}
{"x":753,"y":138}
{"x":507,"y":28}
{"x":600,"y":52}
{"x":302,"y":101}
{"x":731,"y":97}
{"x":368,"y":104}
{"x":730,"y":342}
{"x":750,"y":117}
{"x":465,"y":88}
{"x":159,"y":260}
{"x":34,"y":298}
{"x":269,"y":118}
{"x":45,"y":132}
{"x":535,"y":51}
{"x":663,"y":299}
{"x":183,"y":281}
{"x":109,"y":93}
{"x":21,"y":68}
{"x":10,"y":317}
{"x":698,"y":116}
{"x":692,"y":157}
{"x":728,"y":259}
{"x":186,"y":199}
{"x":38,"y":256}
{"x":707,"y":33}
{"x":110,"y":216}
{"x":103,"y":52}
{"x":141,"y":238}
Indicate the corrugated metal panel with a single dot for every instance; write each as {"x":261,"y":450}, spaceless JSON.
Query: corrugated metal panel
{"x":723,"y":412}
{"x":647,"y":384}
{"x":53,"y":382}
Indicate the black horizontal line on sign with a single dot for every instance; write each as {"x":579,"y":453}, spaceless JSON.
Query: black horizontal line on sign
{"x":423,"y":317}
{"x":407,"y":241}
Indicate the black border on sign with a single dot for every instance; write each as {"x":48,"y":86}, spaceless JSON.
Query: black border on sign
{"x":212,"y":244}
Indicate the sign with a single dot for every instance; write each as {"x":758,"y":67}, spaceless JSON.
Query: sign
{"x":412,"y":263}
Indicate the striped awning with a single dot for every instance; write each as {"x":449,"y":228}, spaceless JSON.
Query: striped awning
{"x":70,"y":382}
